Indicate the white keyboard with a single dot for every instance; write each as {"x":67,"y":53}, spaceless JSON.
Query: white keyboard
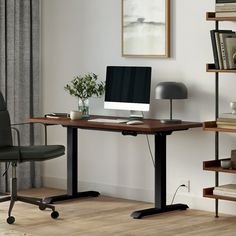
{"x":102,"y":120}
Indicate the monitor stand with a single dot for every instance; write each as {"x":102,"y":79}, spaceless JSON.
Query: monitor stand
{"x":136,"y":115}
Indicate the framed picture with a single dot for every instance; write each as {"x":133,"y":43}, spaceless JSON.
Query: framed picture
{"x":146,"y":28}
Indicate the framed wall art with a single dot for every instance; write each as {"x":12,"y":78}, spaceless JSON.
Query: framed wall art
{"x":146,"y":28}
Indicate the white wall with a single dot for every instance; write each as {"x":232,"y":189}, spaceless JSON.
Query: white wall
{"x":81,"y":36}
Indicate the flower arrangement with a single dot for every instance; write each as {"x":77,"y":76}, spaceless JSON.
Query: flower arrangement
{"x":84,"y":87}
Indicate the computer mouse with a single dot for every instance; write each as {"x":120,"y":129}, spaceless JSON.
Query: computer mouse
{"x":134,"y":122}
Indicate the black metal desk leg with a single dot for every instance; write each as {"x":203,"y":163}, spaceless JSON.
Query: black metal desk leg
{"x":160,"y":181}
{"x":72,"y":171}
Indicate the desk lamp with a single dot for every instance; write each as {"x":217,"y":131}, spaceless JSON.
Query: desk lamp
{"x":171,"y":90}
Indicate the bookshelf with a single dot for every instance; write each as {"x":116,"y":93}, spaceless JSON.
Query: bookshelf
{"x":211,"y":16}
{"x":214,"y":165}
{"x":208,"y":192}
{"x":212,"y":68}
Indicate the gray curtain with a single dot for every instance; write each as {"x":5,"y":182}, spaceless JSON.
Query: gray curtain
{"x":19,"y":76}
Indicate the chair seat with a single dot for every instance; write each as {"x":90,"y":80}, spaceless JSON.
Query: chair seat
{"x":31,"y":153}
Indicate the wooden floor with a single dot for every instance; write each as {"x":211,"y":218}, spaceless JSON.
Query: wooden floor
{"x":110,"y":216}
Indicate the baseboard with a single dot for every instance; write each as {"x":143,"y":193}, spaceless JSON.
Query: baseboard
{"x":146,"y":195}
{"x":52,"y":182}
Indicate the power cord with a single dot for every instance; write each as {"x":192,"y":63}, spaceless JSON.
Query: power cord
{"x":154,"y":165}
{"x":182,"y":185}
{"x":150,"y":151}
{"x":149,"y":147}
{"x":6,"y":170}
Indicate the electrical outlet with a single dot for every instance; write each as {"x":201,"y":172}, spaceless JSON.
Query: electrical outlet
{"x":186,"y":182}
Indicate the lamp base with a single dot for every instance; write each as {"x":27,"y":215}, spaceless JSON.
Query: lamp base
{"x":171,"y":121}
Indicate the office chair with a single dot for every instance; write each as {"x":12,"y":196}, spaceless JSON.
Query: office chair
{"x":16,"y":154}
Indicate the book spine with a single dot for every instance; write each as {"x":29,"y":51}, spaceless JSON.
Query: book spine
{"x":227,"y":115}
{"x":225,"y":190}
{"x":229,"y":120}
{"x":218,"y":49}
{"x":226,"y":126}
{"x":224,"y":193}
{"x":225,"y":1}
{"x":222,"y":46}
{"x":225,"y":123}
{"x":214,"y":48}
{"x":225,"y":8}
{"x":226,"y":14}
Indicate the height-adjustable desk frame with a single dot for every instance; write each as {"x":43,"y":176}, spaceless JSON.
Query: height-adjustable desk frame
{"x":150,"y":126}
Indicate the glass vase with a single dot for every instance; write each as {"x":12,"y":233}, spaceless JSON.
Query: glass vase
{"x":84,"y":107}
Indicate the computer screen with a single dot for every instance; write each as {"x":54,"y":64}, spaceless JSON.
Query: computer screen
{"x":128,"y":88}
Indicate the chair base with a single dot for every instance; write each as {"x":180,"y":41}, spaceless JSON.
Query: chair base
{"x":13,"y":197}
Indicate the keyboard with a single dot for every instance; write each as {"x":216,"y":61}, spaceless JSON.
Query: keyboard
{"x":102,"y":120}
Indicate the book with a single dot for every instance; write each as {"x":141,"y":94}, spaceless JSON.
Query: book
{"x":223,"y":193}
{"x":225,"y":5}
{"x":226,"y":14}
{"x":227,"y":115}
{"x":56,"y":115}
{"x":214,"y":49}
{"x":227,"y":188}
{"x":225,"y":123}
{"x":230,"y":43}
{"x":226,"y":126}
{"x":225,"y":1}
{"x":218,"y":48}
{"x":216,"y":43}
{"x":228,"y":120}
{"x":222,"y":37}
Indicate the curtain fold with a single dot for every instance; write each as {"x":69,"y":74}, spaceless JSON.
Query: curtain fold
{"x":19,"y":76}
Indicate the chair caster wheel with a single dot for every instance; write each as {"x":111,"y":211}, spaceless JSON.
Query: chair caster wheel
{"x":42,"y":207}
{"x":10,"y":220}
{"x":54,"y":214}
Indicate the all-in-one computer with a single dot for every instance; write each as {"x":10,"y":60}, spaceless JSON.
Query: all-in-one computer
{"x":128,"y":88}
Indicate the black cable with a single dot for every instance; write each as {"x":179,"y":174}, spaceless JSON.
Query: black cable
{"x":7,"y":168}
{"x":149,"y":147}
{"x":182,"y":185}
{"x":150,"y":151}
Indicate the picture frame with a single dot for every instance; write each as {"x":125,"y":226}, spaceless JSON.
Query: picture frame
{"x":146,"y":28}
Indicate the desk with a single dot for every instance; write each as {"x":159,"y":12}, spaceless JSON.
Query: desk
{"x":150,"y":126}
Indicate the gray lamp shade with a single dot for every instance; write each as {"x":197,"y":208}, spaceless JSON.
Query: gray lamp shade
{"x":171,"y":90}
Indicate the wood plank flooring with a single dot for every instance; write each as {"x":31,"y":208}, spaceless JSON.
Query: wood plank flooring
{"x":106,"y":216}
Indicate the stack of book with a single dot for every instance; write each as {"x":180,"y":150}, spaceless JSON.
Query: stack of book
{"x":224,"y":49}
{"x":225,"y":8}
{"x":228,"y":190}
{"x":226,"y":121}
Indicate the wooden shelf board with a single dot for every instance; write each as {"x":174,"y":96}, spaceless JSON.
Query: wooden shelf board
{"x":211,"y":126}
{"x":211,"y":68}
{"x":208,"y":192}
{"x":214,"y":165}
{"x":211,"y":16}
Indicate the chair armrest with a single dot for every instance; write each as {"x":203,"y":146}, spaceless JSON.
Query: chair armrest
{"x":17,"y":135}
{"x":29,"y":123}
{"x":18,"y":142}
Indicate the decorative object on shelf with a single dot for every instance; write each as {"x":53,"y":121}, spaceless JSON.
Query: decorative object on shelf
{"x":146,"y":28}
{"x":233,"y":107}
{"x":84,"y":87}
{"x":171,"y":90}
{"x":225,"y":164}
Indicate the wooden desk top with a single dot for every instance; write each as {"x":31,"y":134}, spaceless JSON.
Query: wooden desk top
{"x":150,"y":126}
